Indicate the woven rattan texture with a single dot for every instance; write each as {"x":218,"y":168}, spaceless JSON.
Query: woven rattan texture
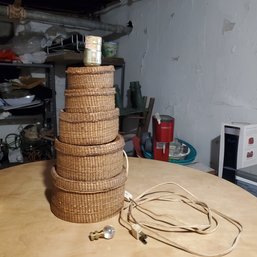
{"x":89,"y":176}
{"x":89,"y":117}
{"x":88,"y":187}
{"x":90,"y":150}
{"x":89,"y":92}
{"x":89,"y":166}
{"x":96,"y":100}
{"x":90,"y":70}
{"x":85,"y":81}
{"x":87,"y":208}
{"x":88,"y":129}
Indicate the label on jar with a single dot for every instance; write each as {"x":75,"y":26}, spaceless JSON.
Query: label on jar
{"x":92,"y":58}
{"x":93,"y":43}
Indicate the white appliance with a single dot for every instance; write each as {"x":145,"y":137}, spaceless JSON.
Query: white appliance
{"x":238,"y":152}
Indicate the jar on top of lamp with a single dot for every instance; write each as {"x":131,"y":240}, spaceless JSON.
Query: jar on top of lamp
{"x":93,"y":51}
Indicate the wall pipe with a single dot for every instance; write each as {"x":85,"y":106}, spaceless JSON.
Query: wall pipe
{"x":69,"y":21}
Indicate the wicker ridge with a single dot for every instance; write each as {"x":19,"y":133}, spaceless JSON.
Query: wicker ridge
{"x":88,"y":129}
{"x":87,"y":208}
{"x":90,"y":150}
{"x":82,"y":187}
{"x":89,"y":117}
{"x":90,"y":81}
{"x":89,"y":163}
{"x":90,"y":70}
{"x":89,"y":92}
{"x":90,"y":77}
{"x":90,"y":100}
{"x":89,"y":168}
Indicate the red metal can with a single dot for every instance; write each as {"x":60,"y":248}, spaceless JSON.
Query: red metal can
{"x":163,"y":128}
{"x":163,"y":134}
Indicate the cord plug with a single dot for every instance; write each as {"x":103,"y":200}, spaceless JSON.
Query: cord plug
{"x":128,"y":196}
{"x":136,"y":232}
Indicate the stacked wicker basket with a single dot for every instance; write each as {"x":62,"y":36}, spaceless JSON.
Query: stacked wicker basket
{"x":89,"y":179}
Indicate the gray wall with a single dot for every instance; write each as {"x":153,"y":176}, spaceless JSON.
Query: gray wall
{"x":199,"y":60}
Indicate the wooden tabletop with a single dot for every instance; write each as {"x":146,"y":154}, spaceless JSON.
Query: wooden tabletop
{"x":28,"y":228}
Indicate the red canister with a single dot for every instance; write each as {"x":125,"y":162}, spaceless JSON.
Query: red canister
{"x":164,"y":128}
{"x":163,"y":131}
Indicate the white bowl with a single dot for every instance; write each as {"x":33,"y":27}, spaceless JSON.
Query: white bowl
{"x":20,"y":101}
{"x":180,"y":155}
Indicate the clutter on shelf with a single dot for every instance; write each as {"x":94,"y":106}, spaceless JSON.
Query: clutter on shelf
{"x":28,"y":46}
{"x":25,"y":99}
{"x":32,"y":143}
{"x":7,"y":55}
{"x":24,"y":96}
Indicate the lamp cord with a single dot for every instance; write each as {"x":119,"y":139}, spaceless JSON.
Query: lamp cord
{"x":169,"y":223}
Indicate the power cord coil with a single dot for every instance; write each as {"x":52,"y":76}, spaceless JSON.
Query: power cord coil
{"x":164,"y":223}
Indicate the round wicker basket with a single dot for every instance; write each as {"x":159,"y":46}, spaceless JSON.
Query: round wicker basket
{"x":90,"y":128}
{"x":90,"y":100}
{"x":89,"y":163}
{"x":90,"y":77}
{"x":84,"y":202}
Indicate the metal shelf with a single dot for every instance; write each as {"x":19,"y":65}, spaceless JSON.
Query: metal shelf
{"x":70,"y":57}
{"x":27,"y":65}
{"x":22,"y":119}
{"x":50,"y":112}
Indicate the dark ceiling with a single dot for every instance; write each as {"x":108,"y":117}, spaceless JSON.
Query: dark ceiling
{"x":78,"y":7}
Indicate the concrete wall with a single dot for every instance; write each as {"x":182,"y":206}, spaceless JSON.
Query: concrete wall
{"x":199,"y":60}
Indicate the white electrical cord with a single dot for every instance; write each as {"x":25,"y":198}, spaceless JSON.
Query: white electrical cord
{"x":168,"y":223}
{"x":127,"y":162}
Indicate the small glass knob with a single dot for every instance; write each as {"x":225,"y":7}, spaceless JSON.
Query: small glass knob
{"x":107,"y":233}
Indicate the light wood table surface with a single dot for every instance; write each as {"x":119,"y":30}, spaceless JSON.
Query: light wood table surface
{"x":29,"y":229}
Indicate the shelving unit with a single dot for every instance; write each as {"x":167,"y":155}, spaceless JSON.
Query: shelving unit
{"x":49,"y":116}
